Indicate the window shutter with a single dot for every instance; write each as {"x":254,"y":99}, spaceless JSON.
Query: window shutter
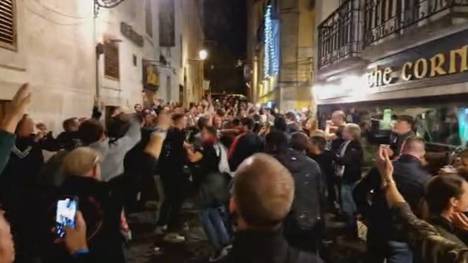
{"x":7,"y":24}
{"x":111,"y":60}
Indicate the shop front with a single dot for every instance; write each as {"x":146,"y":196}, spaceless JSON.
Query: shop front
{"x":428,"y":82}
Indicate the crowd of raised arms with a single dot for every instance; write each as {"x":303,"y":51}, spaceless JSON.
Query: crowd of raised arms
{"x":261,"y":182}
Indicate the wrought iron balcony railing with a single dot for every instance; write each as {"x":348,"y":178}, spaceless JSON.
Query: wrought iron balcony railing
{"x":358,"y":24}
{"x":383,"y":18}
{"x":339,"y":35}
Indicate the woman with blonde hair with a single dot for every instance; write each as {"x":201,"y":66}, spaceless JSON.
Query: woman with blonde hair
{"x":102,"y":202}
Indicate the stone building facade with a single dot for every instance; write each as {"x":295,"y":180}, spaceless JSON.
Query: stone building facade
{"x":293,"y":28}
{"x":391,"y":57}
{"x":53,"y":45}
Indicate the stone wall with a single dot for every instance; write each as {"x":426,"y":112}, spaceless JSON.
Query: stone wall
{"x":56,"y":55}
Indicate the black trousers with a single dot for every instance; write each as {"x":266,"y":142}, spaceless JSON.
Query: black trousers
{"x":174,"y":196}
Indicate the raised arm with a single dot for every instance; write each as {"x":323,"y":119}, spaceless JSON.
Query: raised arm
{"x":15,"y":112}
{"x":427,"y":241}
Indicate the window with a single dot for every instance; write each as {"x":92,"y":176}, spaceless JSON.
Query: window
{"x":111,"y":60}
{"x":181,"y":54}
{"x":8,"y":24}
{"x":168,"y":88}
{"x":149,"y":18}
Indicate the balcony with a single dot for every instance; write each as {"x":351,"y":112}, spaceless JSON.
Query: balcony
{"x":339,"y":35}
{"x":360,"y":24}
{"x":384,"y":18}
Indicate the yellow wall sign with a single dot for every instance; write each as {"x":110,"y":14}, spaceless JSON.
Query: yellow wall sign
{"x":441,"y":64}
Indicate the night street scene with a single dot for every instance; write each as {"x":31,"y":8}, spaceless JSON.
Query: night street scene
{"x":234,"y":131}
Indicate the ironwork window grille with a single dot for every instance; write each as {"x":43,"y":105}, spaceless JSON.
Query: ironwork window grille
{"x":383,"y":18}
{"x":357,"y":24}
{"x":8,"y":36}
{"x":340,"y":34}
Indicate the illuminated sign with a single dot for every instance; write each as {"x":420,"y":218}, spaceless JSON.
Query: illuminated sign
{"x":445,"y":58}
{"x":455,"y":61}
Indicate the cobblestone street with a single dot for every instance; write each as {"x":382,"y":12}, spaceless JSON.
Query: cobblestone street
{"x":196,"y":248}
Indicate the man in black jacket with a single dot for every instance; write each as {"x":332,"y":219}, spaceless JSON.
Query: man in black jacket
{"x":317,"y":151}
{"x":402,"y":129}
{"x":304,"y":224}
{"x":174,"y":181}
{"x":385,"y":239}
{"x":262,"y":198}
{"x":245,"y":144}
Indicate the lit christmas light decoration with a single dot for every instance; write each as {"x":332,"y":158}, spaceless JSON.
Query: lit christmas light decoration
{"x":271,"y":50}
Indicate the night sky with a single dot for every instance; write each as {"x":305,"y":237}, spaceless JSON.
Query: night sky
{"x":225,"y":35}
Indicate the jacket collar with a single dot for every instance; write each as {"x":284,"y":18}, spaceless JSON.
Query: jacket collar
{"x":249,"y":243}
{"x":406,"y":158}
{"x":77,"y":185}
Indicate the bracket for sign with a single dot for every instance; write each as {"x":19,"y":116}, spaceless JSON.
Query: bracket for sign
{"x":98,"y":4}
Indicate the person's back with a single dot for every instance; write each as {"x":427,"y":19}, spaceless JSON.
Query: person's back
{"x":306,"y":217}
{"x":244,"y":145}
{"x":305,"y":220}
{"x":172,"y":153}
{"x":324,"y":158}
{"x":262,"y":197}
{"x":385,"y":238}
{"x":411,"y":179}
{"x":119,"y":145}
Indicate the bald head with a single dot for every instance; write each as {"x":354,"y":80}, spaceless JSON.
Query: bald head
{"x":263,"y":191}
{"x":415,"y":146}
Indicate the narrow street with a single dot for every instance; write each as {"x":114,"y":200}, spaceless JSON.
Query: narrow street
{"x":196,"y":248}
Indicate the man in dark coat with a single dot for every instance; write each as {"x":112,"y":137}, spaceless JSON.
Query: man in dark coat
{"x":385,"y":239}
{"x":402,"y":129}
{"x":245,"y":145}
{"x":262,"y":198}
{"x":304,"y":224}
{"x":174,"y":181}
{"x":318,"y":152}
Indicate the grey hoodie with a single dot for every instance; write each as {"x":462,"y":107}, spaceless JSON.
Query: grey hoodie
{"x":113,"y":154}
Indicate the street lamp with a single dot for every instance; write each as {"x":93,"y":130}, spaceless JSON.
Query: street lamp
{"x":203,"y":54}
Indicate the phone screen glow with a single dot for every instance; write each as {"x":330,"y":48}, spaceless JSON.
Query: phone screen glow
{"x":65,"y":217}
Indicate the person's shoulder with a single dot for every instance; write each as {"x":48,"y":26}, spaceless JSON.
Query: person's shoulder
{"x":306,"y":257}
{"x":310,"y":162}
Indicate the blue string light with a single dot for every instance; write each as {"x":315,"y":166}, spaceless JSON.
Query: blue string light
{"x":271,"y":49}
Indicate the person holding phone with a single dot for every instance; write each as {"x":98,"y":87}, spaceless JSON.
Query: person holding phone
{"x":384,"y":238}
{"x":427,"y":241}
{"x":102,"y":202}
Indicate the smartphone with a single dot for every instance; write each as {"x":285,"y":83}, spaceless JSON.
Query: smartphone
{"x":65,"y":216}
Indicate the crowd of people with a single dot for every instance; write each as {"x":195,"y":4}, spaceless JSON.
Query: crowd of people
{"x":263,"y":184}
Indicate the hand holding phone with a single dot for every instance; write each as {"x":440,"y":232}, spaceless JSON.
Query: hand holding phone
{"x":75,"y":238}
{"x":65,"y":216}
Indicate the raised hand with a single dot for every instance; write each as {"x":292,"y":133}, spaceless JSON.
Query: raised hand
{"x":16,"y":109}
{"x":460,"y":221}
{"x":384,"y":165}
